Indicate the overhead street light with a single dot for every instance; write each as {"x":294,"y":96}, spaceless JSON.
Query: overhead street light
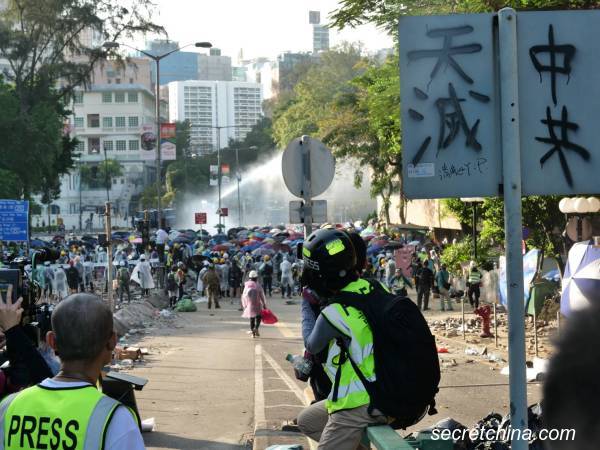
{"x":157,"y":59}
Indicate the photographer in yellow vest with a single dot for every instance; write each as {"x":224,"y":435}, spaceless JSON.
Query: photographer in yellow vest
{"x":68,"y":411}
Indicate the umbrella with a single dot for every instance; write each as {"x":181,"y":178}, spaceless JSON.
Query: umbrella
{"x":37,"y":243}
{"x":219,"y":238}
{"x":263,"y":251}
{"x":249,"y":248}
{"x":581,"y":283}
{"x":220,"y":248}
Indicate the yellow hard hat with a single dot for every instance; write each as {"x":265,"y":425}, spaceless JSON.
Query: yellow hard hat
{"x":267,"y":257}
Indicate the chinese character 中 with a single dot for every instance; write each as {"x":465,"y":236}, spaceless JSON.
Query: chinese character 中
{"x":561,"y":144}
{"x":567,"y":51}
{"x":445,"y":55}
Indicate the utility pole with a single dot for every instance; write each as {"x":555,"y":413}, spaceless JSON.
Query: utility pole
{"x":238,"y":177}
{"x":109,"y":274}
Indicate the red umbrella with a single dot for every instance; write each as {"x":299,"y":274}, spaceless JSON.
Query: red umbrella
{"x":220,"y":248}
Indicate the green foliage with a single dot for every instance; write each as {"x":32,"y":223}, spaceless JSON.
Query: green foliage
{"x":351,"y":104}
{"x":462,"y":252}
{"x":325,"y":81}
{"x":49,"y":56}
{"x":101,"y":175}
{"x":191,"y":173}
{"x":541,"y":216}
{"x":385,"y":13}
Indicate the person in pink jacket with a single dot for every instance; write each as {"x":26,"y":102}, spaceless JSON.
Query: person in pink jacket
{"x":253,"y":301}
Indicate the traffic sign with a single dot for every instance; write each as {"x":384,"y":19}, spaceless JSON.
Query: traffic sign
{"x":200,"y":218}
{"x":305,"y":159}
{"x":14,"y":220}
{"x":559,"y":95}
{"x":450,"y":124}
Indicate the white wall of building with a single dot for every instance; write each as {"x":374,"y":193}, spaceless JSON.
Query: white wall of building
{"x":110,"y":117}
{"x":235,"y":105}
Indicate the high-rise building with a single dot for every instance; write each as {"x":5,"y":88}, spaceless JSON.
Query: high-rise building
{"x":108,"y":121}
{"x":320,"y":32}
{"x":214,"y":66}
{"x":183,"y":66}
{"x":232,"y":105}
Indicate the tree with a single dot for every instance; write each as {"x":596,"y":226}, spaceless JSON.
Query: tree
{"x":51,"y":48}
{"x":310,"y":103}
{"x":101,"y":176}
{"x":191,"y":173}
{"x":365,"y":127}
{"x":385,"y":13}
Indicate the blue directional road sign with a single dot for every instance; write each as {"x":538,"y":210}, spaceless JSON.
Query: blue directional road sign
{"x":14,"y":220}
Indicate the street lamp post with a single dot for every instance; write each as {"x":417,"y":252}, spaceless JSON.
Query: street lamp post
{"x":157,"y":59}
{"x":79,"y":186}
{"x":474,"y":201}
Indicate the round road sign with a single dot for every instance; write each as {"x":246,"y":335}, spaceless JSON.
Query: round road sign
{"x":308,"y":167}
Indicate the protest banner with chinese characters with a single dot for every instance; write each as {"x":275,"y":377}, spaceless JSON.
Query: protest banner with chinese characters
{"x":559,"y":94}
{"x":449,"y":106}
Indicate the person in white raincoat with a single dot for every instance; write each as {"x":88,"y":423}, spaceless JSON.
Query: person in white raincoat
{"x":142,"y":275}
{"x":60,"y":288}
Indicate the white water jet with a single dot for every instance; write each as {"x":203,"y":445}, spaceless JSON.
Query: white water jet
{"x":265,"y":198}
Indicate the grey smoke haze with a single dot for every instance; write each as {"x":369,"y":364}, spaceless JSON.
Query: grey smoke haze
{"x":265,"y":198}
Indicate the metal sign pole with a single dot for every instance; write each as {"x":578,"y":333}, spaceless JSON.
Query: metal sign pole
{"x":109,"y":268}
{"x":511,"y":155}
{"x":307,"y":191}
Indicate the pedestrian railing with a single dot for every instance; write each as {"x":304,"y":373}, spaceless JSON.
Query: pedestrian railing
{"x":383,"y":437}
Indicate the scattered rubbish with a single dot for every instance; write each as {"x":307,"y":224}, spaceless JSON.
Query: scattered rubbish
{"x":442,"y":350}
{"x":495,"y":358}
{"x":536,"y":369}
{"x":132,"y":353}
{"x":449,"y":363}
{"x":472,"y":351}
{"x":165,"y":313}
{"x":285,"y":447}
{"x":148,"y":425}
{"x":126,"y":363}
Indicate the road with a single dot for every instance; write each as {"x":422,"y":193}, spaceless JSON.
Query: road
{"x":211,"y":382}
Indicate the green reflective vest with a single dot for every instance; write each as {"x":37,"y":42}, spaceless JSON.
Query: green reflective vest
{"x":474,"y":277}
{"x":66,"y":419}
{"x":352,"y":323}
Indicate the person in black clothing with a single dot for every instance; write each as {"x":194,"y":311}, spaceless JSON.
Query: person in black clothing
{"x":235,"y":278}
{"x":73,"y":279}
{"x":425,"y":283}
{"x":266,"y":272}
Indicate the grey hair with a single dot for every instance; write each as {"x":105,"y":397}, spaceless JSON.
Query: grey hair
{"x":83,"y":324}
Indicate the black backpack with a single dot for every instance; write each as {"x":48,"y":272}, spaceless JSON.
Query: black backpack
{"x":407,"y":367}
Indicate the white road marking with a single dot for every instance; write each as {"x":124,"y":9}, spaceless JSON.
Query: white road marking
{"x":286,"y":378}
{"x":259,"y":394}
{"x":277,"y":390}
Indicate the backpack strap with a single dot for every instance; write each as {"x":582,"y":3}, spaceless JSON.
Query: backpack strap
{"x":345,"y":355}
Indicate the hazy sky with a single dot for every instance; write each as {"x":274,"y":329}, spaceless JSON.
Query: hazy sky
{"x":260,"y":27}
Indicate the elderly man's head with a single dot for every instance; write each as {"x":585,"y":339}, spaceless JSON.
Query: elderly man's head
{"x":83,"y":329}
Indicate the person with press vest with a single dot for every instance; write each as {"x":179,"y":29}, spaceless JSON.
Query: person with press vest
{"x":474,"y":284}
{"x":358,"y":320}
{"x":68,"y":411}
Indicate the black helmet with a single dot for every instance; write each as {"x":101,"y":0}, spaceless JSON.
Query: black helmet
{"x":329,"y":261}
